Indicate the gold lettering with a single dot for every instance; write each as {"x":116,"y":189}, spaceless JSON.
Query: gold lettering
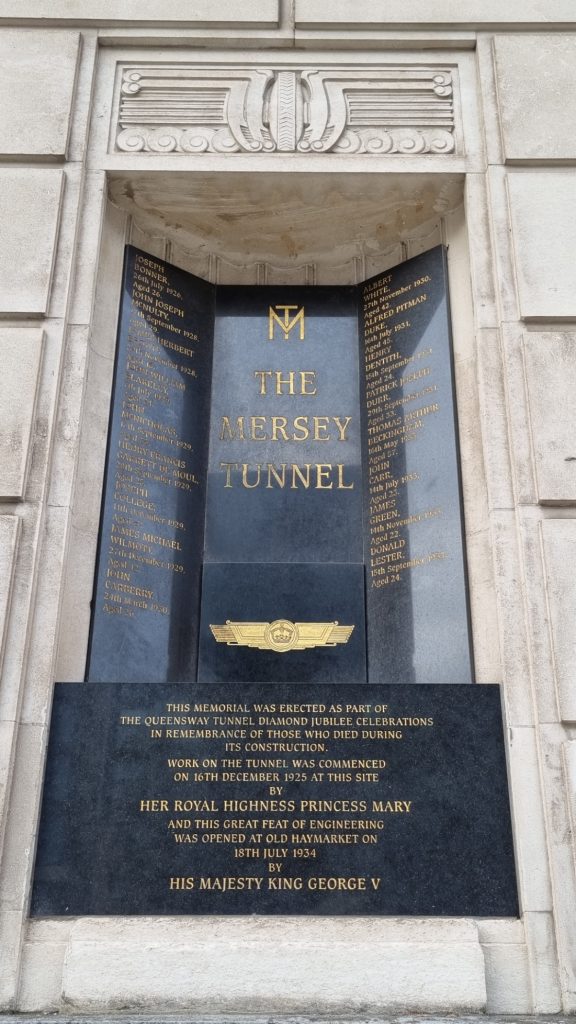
{"x":307,"y":382}
{"x":323,"y":470}
{"x":279,"y":427}
{"x":262,"y":374}
{"x":342,"y":426}
{"x":320,"y":428}
{"x":280,"y":381}
{"x":286,"y":324}
{"x":153,"y":805}
{"x":301,"y":424}
{"x":245,"y":483}
{"x":341,"y":485}
{"x":257,"y":423}
{"x":227,"y":433}
{"x":337,"y":884}
{"x":308,"y":377}
{"x":297,"y":473}
{"x":228,"y":466}
{"x":273,"y":473}
{"x":327,"y":477}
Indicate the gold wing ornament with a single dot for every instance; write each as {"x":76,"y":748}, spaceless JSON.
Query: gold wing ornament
{"x":281,"y":635}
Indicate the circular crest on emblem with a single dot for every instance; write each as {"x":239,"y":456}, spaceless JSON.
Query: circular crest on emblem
{"x":281,"y":635}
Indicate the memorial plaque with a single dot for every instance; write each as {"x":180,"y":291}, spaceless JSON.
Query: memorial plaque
{"x":312,"y":481}
{"x":275,"y":799}
{"x":416,"y":590}
{"x":146,"y":600}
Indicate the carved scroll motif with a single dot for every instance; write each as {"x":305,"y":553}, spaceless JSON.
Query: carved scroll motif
{"x":183,"y":109}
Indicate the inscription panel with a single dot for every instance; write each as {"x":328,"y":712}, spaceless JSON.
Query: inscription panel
{"x":284,"y":479}
{"x":288,"y":799}
{"x":146,"y":601}
{"x":417,"y":609}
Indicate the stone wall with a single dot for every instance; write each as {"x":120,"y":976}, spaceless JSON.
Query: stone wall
{"x":510,"y":138}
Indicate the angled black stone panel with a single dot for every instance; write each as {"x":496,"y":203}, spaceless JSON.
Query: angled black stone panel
{"x":416,"y":587}
{"x":275,"y":799}
{"x":287,"y":422}
{"x":146,"y":601}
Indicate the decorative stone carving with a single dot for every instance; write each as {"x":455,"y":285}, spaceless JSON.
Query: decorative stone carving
{"x":193,"y":109}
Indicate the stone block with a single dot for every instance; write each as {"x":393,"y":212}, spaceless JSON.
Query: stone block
{"x":30,"y":200}
{"x":533,"y":72}
{"x":20,"y":355}
{"x":280,"y":965}
{"x":311,"y":13}
{"x":25,"y":788}
{"x":559,"y":546}
{"x":10,"y":944}
{"x":9,"y":528}
{"x":344,"y":110}
{"x":244,"y":13}
{"x":541,"y":687}
{"x":18,"y":627}
{"x":37,"y":78}
{"x":41,"y":975}
{"x":543,"y":216}
{"x":507,"y":978}
{"x":530,"y":833}
{"x":540,"y":938}
{"x":43,"y":953}
{"x":512,"y":631}
{"x":550,"y":363}
{"x":6,"y":761}
{"x":569,"y":757}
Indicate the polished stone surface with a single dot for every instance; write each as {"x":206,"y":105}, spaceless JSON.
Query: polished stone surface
{"x":146,"y":601}
{"x":416,"y":589}
{"x":287,"y":419}
{"x":296,"y":594}
{"x":275,"y":799}
{"x":297,"y":398}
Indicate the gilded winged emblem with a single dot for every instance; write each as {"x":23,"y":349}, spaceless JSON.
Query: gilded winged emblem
{"x":281,"y":635}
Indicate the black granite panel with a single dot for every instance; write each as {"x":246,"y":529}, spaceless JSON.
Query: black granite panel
{"x":290,"y":402}
{"x":146,"y":600}
{"x":417,"y":607}
{"x":293,"y":612}
{"x":277,"y":799}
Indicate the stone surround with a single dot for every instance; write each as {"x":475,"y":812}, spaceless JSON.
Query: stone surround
{"x":302,"y":191}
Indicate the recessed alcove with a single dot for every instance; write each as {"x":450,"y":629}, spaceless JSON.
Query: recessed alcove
{"x":204,"y":577}
{"x":236,"y":227}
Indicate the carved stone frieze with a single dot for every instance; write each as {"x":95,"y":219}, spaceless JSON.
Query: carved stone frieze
{"x":185,"y":108}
